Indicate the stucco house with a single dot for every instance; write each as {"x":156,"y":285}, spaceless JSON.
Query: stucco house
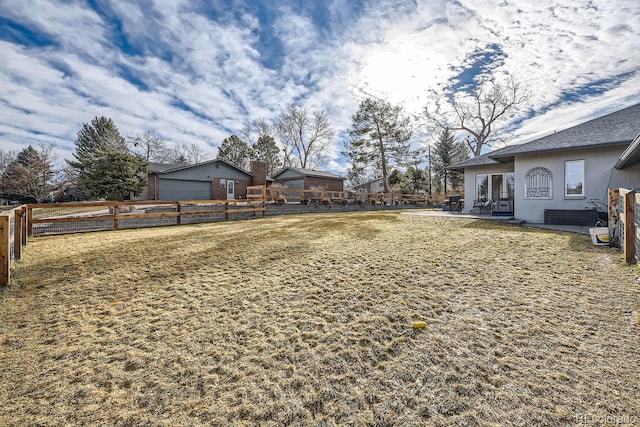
{"x":308,"y":179}
{"x":559,"y":178}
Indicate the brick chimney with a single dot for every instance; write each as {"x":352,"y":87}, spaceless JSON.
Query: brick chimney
{"x":259,"y":172}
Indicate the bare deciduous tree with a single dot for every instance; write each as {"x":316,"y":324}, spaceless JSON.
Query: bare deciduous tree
{"x":258,"y":128}
{"x":479,"y":111}
{"x":151,"y":146}
{"x":305,"y":136}
{"x":6,"y":158}
{"x":29,"y":176}
{"x":189,"y":153}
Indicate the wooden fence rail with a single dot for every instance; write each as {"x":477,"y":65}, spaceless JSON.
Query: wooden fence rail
{"x":74,"y":217}
{"x":284,"y":194}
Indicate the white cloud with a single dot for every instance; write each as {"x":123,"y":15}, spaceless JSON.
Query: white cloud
{"x":399,"y":49}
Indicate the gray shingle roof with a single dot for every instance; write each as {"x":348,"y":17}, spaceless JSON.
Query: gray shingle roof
{"x":311,"y":172}
{"x":159,"y":167}
{"x":481,"y":160}
{"x":618,"y":128}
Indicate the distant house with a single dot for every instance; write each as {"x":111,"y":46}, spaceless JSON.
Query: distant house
{"x":210,"y":180}
{"x":562,"y":177}
{"x":309,"y":179}
{"x":372,"y":186}
{"x":220,"y":180}
{"x":150,"y":191}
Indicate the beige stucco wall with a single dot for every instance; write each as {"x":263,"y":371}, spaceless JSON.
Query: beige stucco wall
{"x":599,"y":172}
{"x":600,"y":175}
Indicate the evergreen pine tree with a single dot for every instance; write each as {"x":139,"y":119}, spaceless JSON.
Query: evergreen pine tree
{"x":104,"y":165}
{"x":379,"y":135}
{"x":266,"y":150}
{"x":235,"y":151}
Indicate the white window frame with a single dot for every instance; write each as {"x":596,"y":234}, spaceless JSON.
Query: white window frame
{"x":482,"y":196}
{"x":543,"y":179}
{"x":567,"y":178}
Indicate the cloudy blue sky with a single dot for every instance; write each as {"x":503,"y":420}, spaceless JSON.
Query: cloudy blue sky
{"x":197,"y":71}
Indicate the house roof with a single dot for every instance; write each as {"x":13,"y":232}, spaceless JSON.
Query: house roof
{"x":481,"y":160}
{"x":617,"y":128}
{"x":378,"y":181}
{"x":310,"y":172}
{"x":202,"y":164}
{"x":631,"y":155}
{"x":159,"y":167}
{"x":371,"y":181}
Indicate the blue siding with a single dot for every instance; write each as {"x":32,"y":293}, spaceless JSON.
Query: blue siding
{"x":289,"y":174}
{"x":206,"y":172}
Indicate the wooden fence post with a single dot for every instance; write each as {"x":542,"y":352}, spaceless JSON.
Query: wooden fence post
{"x":115,"y":217}
{"x":226,"y":211}
{"x":25,"y":221}
{"x":29,"y":221}
{"x":178,"y":217}
{"x":17,"y":233}
{"x":629,"y":228}
{"x":5,"y":251}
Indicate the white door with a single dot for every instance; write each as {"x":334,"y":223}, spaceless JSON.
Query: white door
{"x":230,"y":194}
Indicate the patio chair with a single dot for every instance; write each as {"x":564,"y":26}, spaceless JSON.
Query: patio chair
{"x":481,"y":206}
{"x":455,"y":204}
{"x":477,"y":206}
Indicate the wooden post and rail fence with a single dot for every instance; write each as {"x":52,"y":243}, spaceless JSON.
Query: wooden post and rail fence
{"x":624,"y":220}
{"x":13,"y":237}
{"x":36,"y":219}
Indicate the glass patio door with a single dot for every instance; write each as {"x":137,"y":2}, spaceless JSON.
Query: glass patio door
{"x":497,"y":190}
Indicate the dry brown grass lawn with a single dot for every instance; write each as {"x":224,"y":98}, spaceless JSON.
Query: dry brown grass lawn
{"x":306,"y":320}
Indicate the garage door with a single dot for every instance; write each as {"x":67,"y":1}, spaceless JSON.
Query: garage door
{"x":175,"y":189}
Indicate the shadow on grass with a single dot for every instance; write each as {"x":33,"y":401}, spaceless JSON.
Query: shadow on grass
{"x":574,"y":241}
{"x":162,"y":255}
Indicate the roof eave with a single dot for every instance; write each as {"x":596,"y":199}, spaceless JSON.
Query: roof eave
{"x":510,"y":157}
{"x":630,"y":156}
{"x":503,"y":159}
